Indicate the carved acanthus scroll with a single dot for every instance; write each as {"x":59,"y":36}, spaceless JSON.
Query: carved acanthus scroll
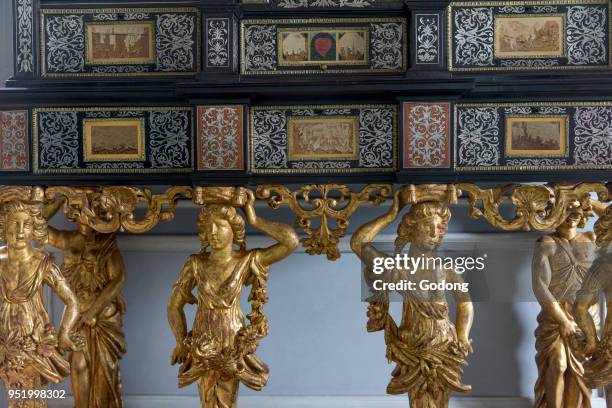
{"x":323,"y":202}
{"x":111,"y":209}
{"x":537,"y":207}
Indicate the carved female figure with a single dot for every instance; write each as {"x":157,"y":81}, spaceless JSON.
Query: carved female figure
{"x":219,"y":351}
{"x":94,"y":269}
{"x":30,"y":350}
{"x":427,"y":348}
{"x":560,"y":263}
{"x":598,"y":370}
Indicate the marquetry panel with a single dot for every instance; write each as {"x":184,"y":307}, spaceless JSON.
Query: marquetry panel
{"x":220,"y":137}
{"x":529,"y":35}
{"x":113,"y":140}
{"x":119,"y":42}
{"x":426,"y":135}
{"x":533,"y":136}
{"x":320,"y":46}
{"x":14,"y":141}
{"x":323,"y":139}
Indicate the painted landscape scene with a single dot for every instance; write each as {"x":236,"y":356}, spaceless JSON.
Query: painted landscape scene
{"x":323,"y":139}
{"x":536,"y":136}
{"x":529,"y":36}
{"x":352,"y":46}
{"x":121,"y":43}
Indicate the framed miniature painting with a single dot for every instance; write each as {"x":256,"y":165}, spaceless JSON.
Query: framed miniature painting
{"x":113,"y":139}
{"x":323,"y":138}
{"x":536,"y":136}
{"x":529,"y":36}
{"x":121,"y":43}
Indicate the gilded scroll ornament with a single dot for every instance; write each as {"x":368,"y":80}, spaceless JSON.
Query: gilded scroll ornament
{"x":537,"y":207}
{"x":219,"y":351}
{"x":598,"y":370}
{"x":428,"y":349}
{"x":111,"y":209}
{"x":94,"y":269}
{"x":323,"y":201}
{"x":31,"y":351}
{"x":560,"y":263}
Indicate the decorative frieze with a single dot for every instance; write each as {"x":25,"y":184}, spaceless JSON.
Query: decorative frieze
{"x":220,"y":137}
{"x":533,"y":136}
{"x":526,"y":35}
{"x":119,"y":42}
{"x":320,"y":46}
{"x":112,"y":140}
{"x":323,"y":139}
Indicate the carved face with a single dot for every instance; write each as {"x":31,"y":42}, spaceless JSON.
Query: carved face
{"x":219,"y":233}
{"x":430,"y":232}
{"x":19,"y":230}
{"x":574,"y":215}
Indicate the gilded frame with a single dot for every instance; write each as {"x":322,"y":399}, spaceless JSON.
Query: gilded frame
{"x":89,"y":124}
{"x":563,"y":121}
{"x":89,"y":58}
{"x":353,"y":120}
{"x":198,"y":39}
{"x":562,"y":36}
{"x":492,"y":169}
{"x":449,"y":33}
{"x":35,"y":140}
{"x":365,"y":21}
{"x":395,"y":138}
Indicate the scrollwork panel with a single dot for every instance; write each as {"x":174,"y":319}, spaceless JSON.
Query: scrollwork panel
{"x":73,"y":42}
{"x":477,"y":39}
{"x":74,"y":140}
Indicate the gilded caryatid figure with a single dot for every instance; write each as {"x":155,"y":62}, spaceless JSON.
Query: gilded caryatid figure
{"x":428,"y":349}
{"x":560,"y":263}
{"x":219,"y":351}
{"x":31,"y":351}
{"x":94,"y":269}
{"x":598,"y":282}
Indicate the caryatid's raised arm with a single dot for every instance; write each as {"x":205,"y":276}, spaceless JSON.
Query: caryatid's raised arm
{"x":367,"y":232}
{"x":287,"y":239}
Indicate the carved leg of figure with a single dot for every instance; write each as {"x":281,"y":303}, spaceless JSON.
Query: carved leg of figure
{"x":608,"y":391}
{"x":218,"y":390}
{"x":574,"y":396}
{"x":554,"y":376}
{"x":79,"y":375}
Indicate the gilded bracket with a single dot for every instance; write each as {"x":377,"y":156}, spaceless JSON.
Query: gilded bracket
{"x":323,"y":201}
{"x":537,"y":207}
{"x":111,"y":209}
